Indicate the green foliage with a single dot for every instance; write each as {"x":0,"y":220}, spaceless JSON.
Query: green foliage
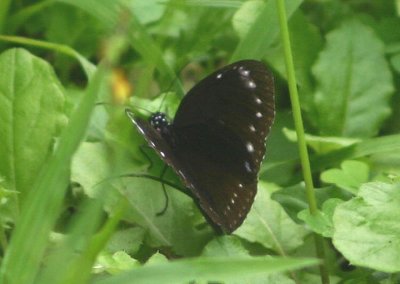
{"x":67,"y":149}
{"x":371,"y":218}
{"x":349,"y":84}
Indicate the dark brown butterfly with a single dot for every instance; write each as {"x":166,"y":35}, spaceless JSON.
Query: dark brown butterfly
{"x":216,"y":141}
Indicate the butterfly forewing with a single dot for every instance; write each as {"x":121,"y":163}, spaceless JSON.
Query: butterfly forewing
{"x":223,"y":122}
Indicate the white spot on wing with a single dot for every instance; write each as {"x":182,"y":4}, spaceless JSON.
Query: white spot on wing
{"x":251,"y":84}
{"x":162,"y":154}
{"x":250,"y":147}
{"x":244,"y":72}
{"x":259,"y":114}
{"x":258,"y":101}
{"x":240,"y":185}
{"x":247,"y":166}
{"x":252,"y":128}
{"x":219,"y":76}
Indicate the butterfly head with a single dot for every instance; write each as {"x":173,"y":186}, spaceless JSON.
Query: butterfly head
{"x":159,"y":121}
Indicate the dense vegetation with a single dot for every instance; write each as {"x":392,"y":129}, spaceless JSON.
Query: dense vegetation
{"x":70,"y":212}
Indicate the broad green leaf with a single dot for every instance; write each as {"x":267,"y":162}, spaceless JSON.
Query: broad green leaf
{"x":90,"y":166}
{"x":157,"y":258}
{"x":246,"y":15}
{"x":31,"y":114}
{"x":127,"y":240}
{"x":263,"y":31}
{"x":293,"y":199}
{"x":41,"y":205}
{"x":87,"y":66}
{"x":8,"y":207}
{"x":306,"y":43}
{"x":321,"y":223}
{"x":354,"y":83}
{"x":268,"y":224}
{"x":367,"y":228}
{"x":176,"y":228}
{"x":220,"y":269}
{"x":350,"y":177}
{"x":225,"y":246}
{"x":232,"y":246}
{"x":115,"y":263}
{"x":322,"y":145}
{"x":147,"y":11}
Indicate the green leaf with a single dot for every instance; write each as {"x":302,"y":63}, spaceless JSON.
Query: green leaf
{"x":219,"y":269}
{"x":8,"y":207}
{"x":321,"y":223}
{"x":263,"y":31}
{"x":350,"y":177}
{"x":225,"y":246}
{"x":42,"y":205}
{"x":157,"y":258}
{"x":322,"y":145}
{"x":354,"y":83}
{"x":232,"y":246}
{"x":90,"y":156}
{"x":147,"y":11}
{"x":31,"y":107}
{"x":245,"y":16}
{"x":127,"y":240}
{"x":294,"y":199}
{"x":367,"y":229}
{"x":268,"y":224}
{"x":176,"y":228}
{"x":378,"y":146}
{"x":115,"y":263}
{"x":306,"y":44}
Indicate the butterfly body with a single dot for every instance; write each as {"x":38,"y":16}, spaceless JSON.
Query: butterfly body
{"x":216,"y":141}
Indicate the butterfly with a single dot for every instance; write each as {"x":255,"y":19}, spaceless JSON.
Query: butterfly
{"x":216,"y":141}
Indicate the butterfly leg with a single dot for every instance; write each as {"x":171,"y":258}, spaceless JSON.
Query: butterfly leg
{"x":142,"y":150}
{"x":165,"y":192}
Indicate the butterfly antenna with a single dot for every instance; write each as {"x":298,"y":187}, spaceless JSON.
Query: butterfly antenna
{"x":170,"y":87}
{"x":166,"y":182}
{"x":126,"y":106}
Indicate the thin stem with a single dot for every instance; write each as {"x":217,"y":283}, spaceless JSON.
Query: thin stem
{"x":305,"y":161}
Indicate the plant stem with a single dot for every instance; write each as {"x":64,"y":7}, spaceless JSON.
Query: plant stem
{"x":305,"y":161}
